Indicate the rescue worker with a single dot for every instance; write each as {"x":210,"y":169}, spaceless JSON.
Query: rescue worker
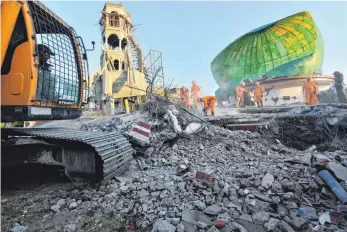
{"x":47,"y":82}
{"x":185,"y":96}
{"x":240,"y":94}
{"x":310,"y":90}
{"x":209,"y":103}
{"x":339,"y":86}
{"x":258,"y":94}
{"x":195,"y":91}
{"x":44,"y":55}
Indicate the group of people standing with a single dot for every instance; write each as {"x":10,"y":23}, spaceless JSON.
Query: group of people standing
{"x":309,"y":89}
{"x":208,"y":101}
{"x":257,"y":93}
{"x":195,"y":95}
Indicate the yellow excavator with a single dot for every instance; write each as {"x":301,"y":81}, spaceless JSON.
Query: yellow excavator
{"x":44,"y":74}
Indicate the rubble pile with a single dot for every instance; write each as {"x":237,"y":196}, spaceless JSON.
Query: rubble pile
{"x":194,"y":176}
{"x":306,"y":126}
{"x":219,"y":180}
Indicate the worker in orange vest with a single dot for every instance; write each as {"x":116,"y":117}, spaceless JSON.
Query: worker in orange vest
{"x":185,"y":96}
{"x":209,"y":103}
{"x":239,"y":94}
{"x":195,"y":91}
{"x":310,"y":90}
{"x":258,"y":94}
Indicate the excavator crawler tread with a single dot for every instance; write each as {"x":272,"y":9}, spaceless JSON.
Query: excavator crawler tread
{"x":112,"y":148}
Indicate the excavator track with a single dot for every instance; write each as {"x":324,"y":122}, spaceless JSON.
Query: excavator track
{"x":99,"y":156}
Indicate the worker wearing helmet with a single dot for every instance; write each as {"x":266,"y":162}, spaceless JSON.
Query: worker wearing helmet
{"x":209,"y":103}
{"x":195,"y":91}
{"x":240,"y":94}
{"x":339,"y":86}
{"x":185,"y":96}
{"x":310,"y":90}
{"x":258,"y":94}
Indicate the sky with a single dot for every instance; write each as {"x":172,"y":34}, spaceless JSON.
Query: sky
{"x":191,"y":34}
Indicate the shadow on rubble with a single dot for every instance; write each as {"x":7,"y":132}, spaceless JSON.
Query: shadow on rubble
{"x":31,"y":177}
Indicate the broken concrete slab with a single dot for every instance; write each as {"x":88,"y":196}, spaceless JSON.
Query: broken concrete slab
{"x":260,"y":217}
{"x":180,"y":227}
{"x":298,"y":223}
{"x":189,"y":227}
{"x":224,"y":217}
{"x":285,"y":227}
{"x":213,"y":229}
{"x":193,"y":128}
{"x":339,"y":171}
{"x":143,"y":193}
{"x":140,"y":132}
{"x":199,"y":205}
{"x":267,"y":181}
{"x":200,"y":216}
{"x":246,"y":217}
{"x":213,"y":210}
{"x":262,"y":197}
{"x":227,"y":228}
{"x":163,"y":225}
{"x":271,"y":224}
{"x":201,"y":225}
{"x":188,"y":215}
{"x":250,"y":226}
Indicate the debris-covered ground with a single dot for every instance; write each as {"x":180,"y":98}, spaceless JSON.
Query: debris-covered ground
{"x":191,"y":175}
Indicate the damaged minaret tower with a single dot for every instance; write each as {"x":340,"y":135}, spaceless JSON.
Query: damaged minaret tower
{"x":121,"y":78}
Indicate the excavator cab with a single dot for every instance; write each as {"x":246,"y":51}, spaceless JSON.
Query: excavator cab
{"x":44,"y":68}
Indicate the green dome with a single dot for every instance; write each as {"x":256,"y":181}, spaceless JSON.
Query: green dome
{"x":292,"y":46}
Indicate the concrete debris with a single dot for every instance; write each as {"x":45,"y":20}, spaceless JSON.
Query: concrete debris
{"x":224,"y":217}
{"x":195,"y":176}
{"x":201,"y":225}
{"x":73,"y":205}
{"x":140,"y":132}
{"x":192,"y":128}
{"x":174,"y":121}
{"x":271,"y":224}
{"x":267,"y":181}
{"x":261,"y":217}
{"x":285,"y":227}
{"x":188,"y":216}
{"x":163,"y":226}
{"x":180,"y":227}
{"x":324,"y":217}
{"x":339,"y":170}
{"x":241,"y":228}
{"x":174,"y":221}
{"x":311,"y":148}
{"x":142,"y":164}
{"x":70,"y":228}
{"x":213,"y":229}
{"x":18,"y":228}
{"x":213,"y":210}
